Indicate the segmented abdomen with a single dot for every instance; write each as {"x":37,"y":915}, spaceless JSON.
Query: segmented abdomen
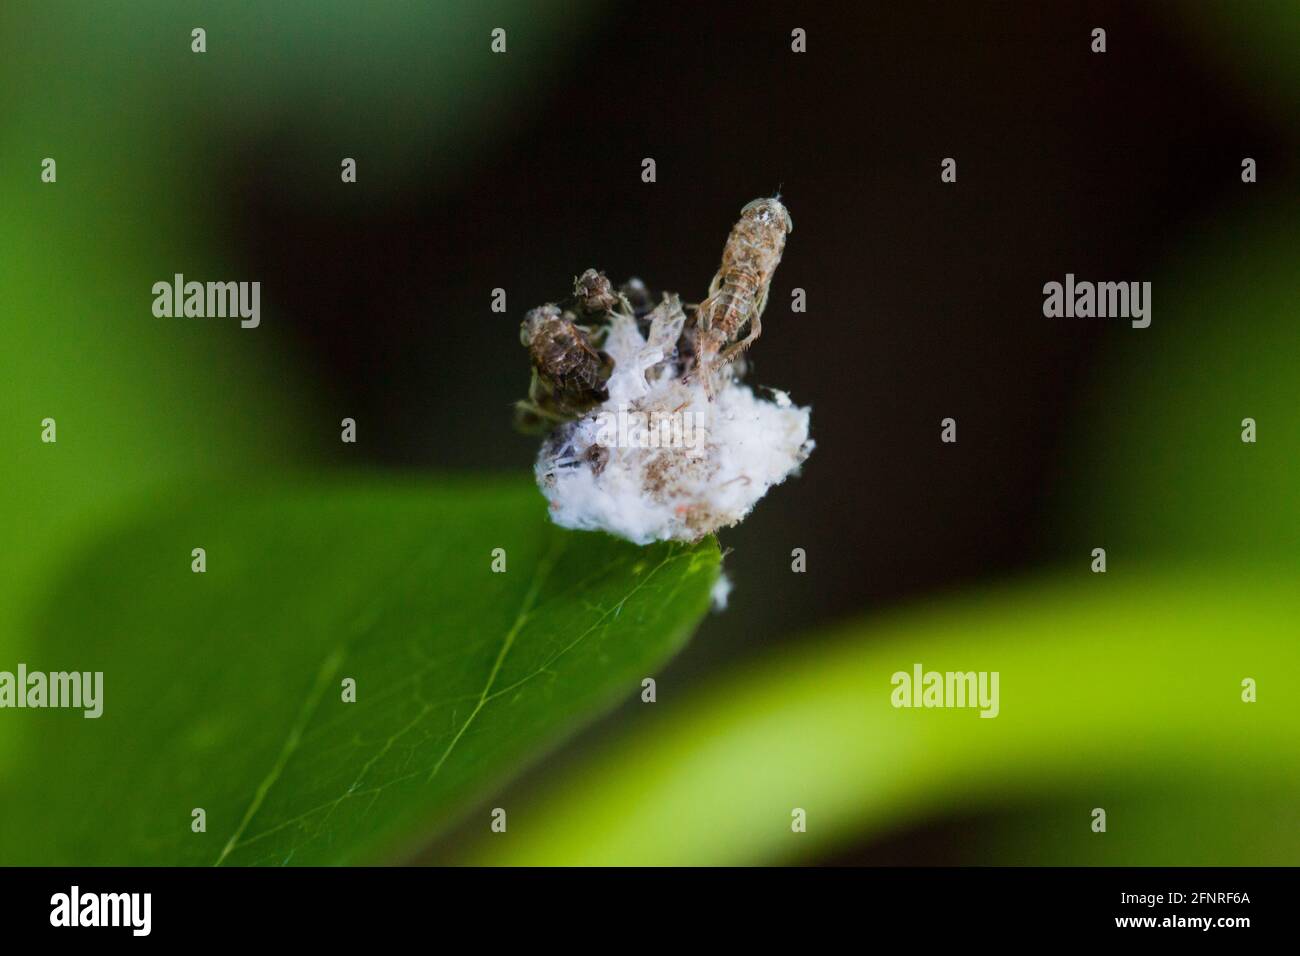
{"x":729,"y":308}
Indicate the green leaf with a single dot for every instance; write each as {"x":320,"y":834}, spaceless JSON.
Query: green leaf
{"x":1109,"y":688}
{"x":223,"y":690}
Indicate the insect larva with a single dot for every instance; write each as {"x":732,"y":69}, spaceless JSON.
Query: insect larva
{"x":738,"y":293}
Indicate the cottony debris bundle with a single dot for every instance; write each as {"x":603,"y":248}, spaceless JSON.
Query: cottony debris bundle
{"x":650,"y":433}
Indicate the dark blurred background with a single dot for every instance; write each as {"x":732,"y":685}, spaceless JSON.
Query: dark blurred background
{"x":924,"y":298}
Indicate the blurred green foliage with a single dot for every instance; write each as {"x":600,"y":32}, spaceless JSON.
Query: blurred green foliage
{"x":1110,"y":686}
{"x":1159,"y":469}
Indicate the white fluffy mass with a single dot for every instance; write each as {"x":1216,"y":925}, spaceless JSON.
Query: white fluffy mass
{"x":661,"y":460}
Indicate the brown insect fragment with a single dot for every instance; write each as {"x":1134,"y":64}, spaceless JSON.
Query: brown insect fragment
{"x":569,"y":373}
{"x":598,"y":457}
{"x":594,"y":294}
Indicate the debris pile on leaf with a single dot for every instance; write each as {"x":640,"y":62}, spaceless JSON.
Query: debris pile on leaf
{"x":650,"y":433}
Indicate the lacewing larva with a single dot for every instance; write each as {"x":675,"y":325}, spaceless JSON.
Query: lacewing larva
{"x":738,"y":293}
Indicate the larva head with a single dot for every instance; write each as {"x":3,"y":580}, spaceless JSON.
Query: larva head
{"x":768,"y":210}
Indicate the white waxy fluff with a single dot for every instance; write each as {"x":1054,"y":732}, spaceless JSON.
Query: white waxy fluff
{"x":720,"y":593}
{"x":607,"y":472}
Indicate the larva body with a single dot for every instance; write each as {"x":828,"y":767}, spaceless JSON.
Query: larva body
{"x":738,"y":293}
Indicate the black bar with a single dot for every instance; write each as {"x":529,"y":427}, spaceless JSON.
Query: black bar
{"x":334,"y":906}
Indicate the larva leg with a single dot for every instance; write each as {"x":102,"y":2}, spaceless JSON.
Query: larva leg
{"x":706,"y":361}
{"x":716,"y":284}
{"x":729,"y":353}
